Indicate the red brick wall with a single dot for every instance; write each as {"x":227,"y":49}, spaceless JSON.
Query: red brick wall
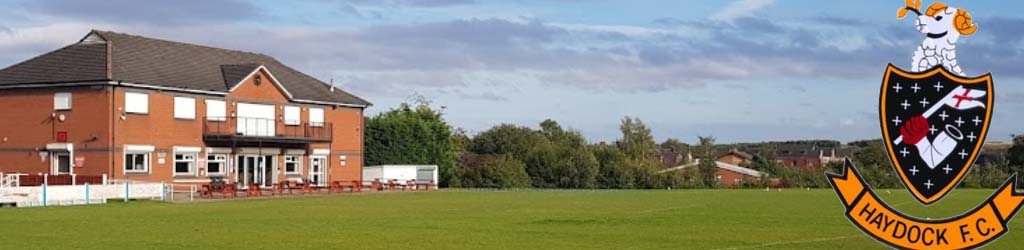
{"x":158,"y":128}
{"x":28,"y":122}
{"x":730,"y":179}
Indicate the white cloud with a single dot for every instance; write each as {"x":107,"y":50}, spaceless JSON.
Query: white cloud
{"x":742,"y":8}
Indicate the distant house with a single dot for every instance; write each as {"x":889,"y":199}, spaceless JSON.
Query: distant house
{"x":669,"y":157}
{"x":728,"y":175}
{"x":736,"y":157}
{"x":807,"y":156}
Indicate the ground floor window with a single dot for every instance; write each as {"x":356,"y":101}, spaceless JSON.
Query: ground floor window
{"x":136,"y":163}
{"x":184,"y":164}
{"x":293,"y":164}
{"x":216,"y":164}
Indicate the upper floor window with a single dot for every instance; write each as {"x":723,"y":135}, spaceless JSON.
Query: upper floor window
{"x":216,"y":110}
{"x":62,"y":101}
{"x":316,"y":117}
{"x":291,"y":115}
{"x":136,"y":103}
{"x":185,"y":108}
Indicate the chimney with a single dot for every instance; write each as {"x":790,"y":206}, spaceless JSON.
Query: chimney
{"x":332,"y":84}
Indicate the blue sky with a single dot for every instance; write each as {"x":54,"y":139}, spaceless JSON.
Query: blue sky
{"x":742,"y":71}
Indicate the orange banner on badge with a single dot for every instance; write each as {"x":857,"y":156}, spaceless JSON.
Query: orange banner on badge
{"x":972,"y":229}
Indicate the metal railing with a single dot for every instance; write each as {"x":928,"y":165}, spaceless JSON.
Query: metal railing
{"x":261,"y":127}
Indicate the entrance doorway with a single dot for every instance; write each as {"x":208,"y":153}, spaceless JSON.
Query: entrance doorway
{"x":61,"y":163}
{"x":256,"y":169}
{"x":318,"y":170}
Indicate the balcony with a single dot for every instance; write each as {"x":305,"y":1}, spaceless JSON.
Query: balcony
{"x":259,"y":130}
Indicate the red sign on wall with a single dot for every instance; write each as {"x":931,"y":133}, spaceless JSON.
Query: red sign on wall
{"x":62,"y":136}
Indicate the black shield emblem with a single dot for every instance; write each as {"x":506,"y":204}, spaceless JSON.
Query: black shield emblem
{"x":934,"y":125}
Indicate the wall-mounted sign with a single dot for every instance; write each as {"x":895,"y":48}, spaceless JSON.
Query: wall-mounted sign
{"x":62,"y":136}
{"x":79,"y":161}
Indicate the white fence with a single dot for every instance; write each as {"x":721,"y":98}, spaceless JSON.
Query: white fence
{"x":57,"y":195}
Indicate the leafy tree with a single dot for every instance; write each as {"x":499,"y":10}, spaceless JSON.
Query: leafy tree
{"x":615,"y":169}
{"x":412,"y":134}
{"x":675,"y":144}
{"x":638,"y":145}
{"x":494,"y":171}
{"x":554,"y":157}
{"x":707,"y":168}
{"x":637,"y":141}
{"x":1016,"y":155}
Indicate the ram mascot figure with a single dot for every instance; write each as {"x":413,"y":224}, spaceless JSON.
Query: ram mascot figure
{"x":942,"y":26}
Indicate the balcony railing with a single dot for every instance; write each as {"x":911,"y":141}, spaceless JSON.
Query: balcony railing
{"x":260,"y":128}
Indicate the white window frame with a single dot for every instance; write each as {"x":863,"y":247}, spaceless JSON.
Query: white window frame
{"x":216,"y":110}
{"x":62,"y":101}
{"x":136,"y":103}
{"x":292,"y":115}
{"x":221,"y":159}
{"x":184,"y":107}
{"x":316,"y":117}
{"x":294,"y":159}
{"x":147,"y":162}
{"x":185,"y":159}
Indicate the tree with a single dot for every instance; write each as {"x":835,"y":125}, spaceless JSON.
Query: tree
{"x":638,"y":145}
{"x":1016,"y":155}
{"x":494,"y":171}
{"x":412,"y":135}
{"x":554,"y":157}
{"x":675,"y":144}
{"x":707,"y":168}
{"x":637,"y":141}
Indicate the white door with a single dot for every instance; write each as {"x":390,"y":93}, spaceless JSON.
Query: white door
{"x":318,"y":170}
{"x":255,"y":119}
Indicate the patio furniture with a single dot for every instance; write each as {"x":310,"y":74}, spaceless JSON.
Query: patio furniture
{"x":206,"y":190}
{"x":409,"y":185}
{"x":376,"y":185}
{"x":426,"y":186}
{"x":229,"y":190}
{"x":253,"y":190}
{"x":339,"y":186}
{"x":392,"y":184}
{"x":309,"y":187}
{"x":291,"y":185}
{"x":277,"y":188}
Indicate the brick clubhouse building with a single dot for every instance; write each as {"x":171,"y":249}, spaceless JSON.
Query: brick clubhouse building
{"x":145,"y":109}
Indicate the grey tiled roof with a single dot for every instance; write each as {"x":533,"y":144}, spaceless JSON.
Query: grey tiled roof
{"x":143,"y":60}
{"x":77,"y":62}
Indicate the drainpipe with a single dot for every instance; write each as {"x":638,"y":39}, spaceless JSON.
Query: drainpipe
{"x":113,"y":129}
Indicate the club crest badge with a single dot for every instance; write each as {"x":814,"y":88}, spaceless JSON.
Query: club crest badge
{"x":934,"y":119}
{"x":933,"y":124}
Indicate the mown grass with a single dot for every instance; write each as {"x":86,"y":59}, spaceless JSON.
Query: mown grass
{"x":682,"y":219}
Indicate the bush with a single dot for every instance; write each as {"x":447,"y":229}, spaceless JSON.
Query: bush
{"x":494,"y":171}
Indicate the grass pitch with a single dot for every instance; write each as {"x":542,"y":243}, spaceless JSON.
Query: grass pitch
{"x":681,"y":219}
